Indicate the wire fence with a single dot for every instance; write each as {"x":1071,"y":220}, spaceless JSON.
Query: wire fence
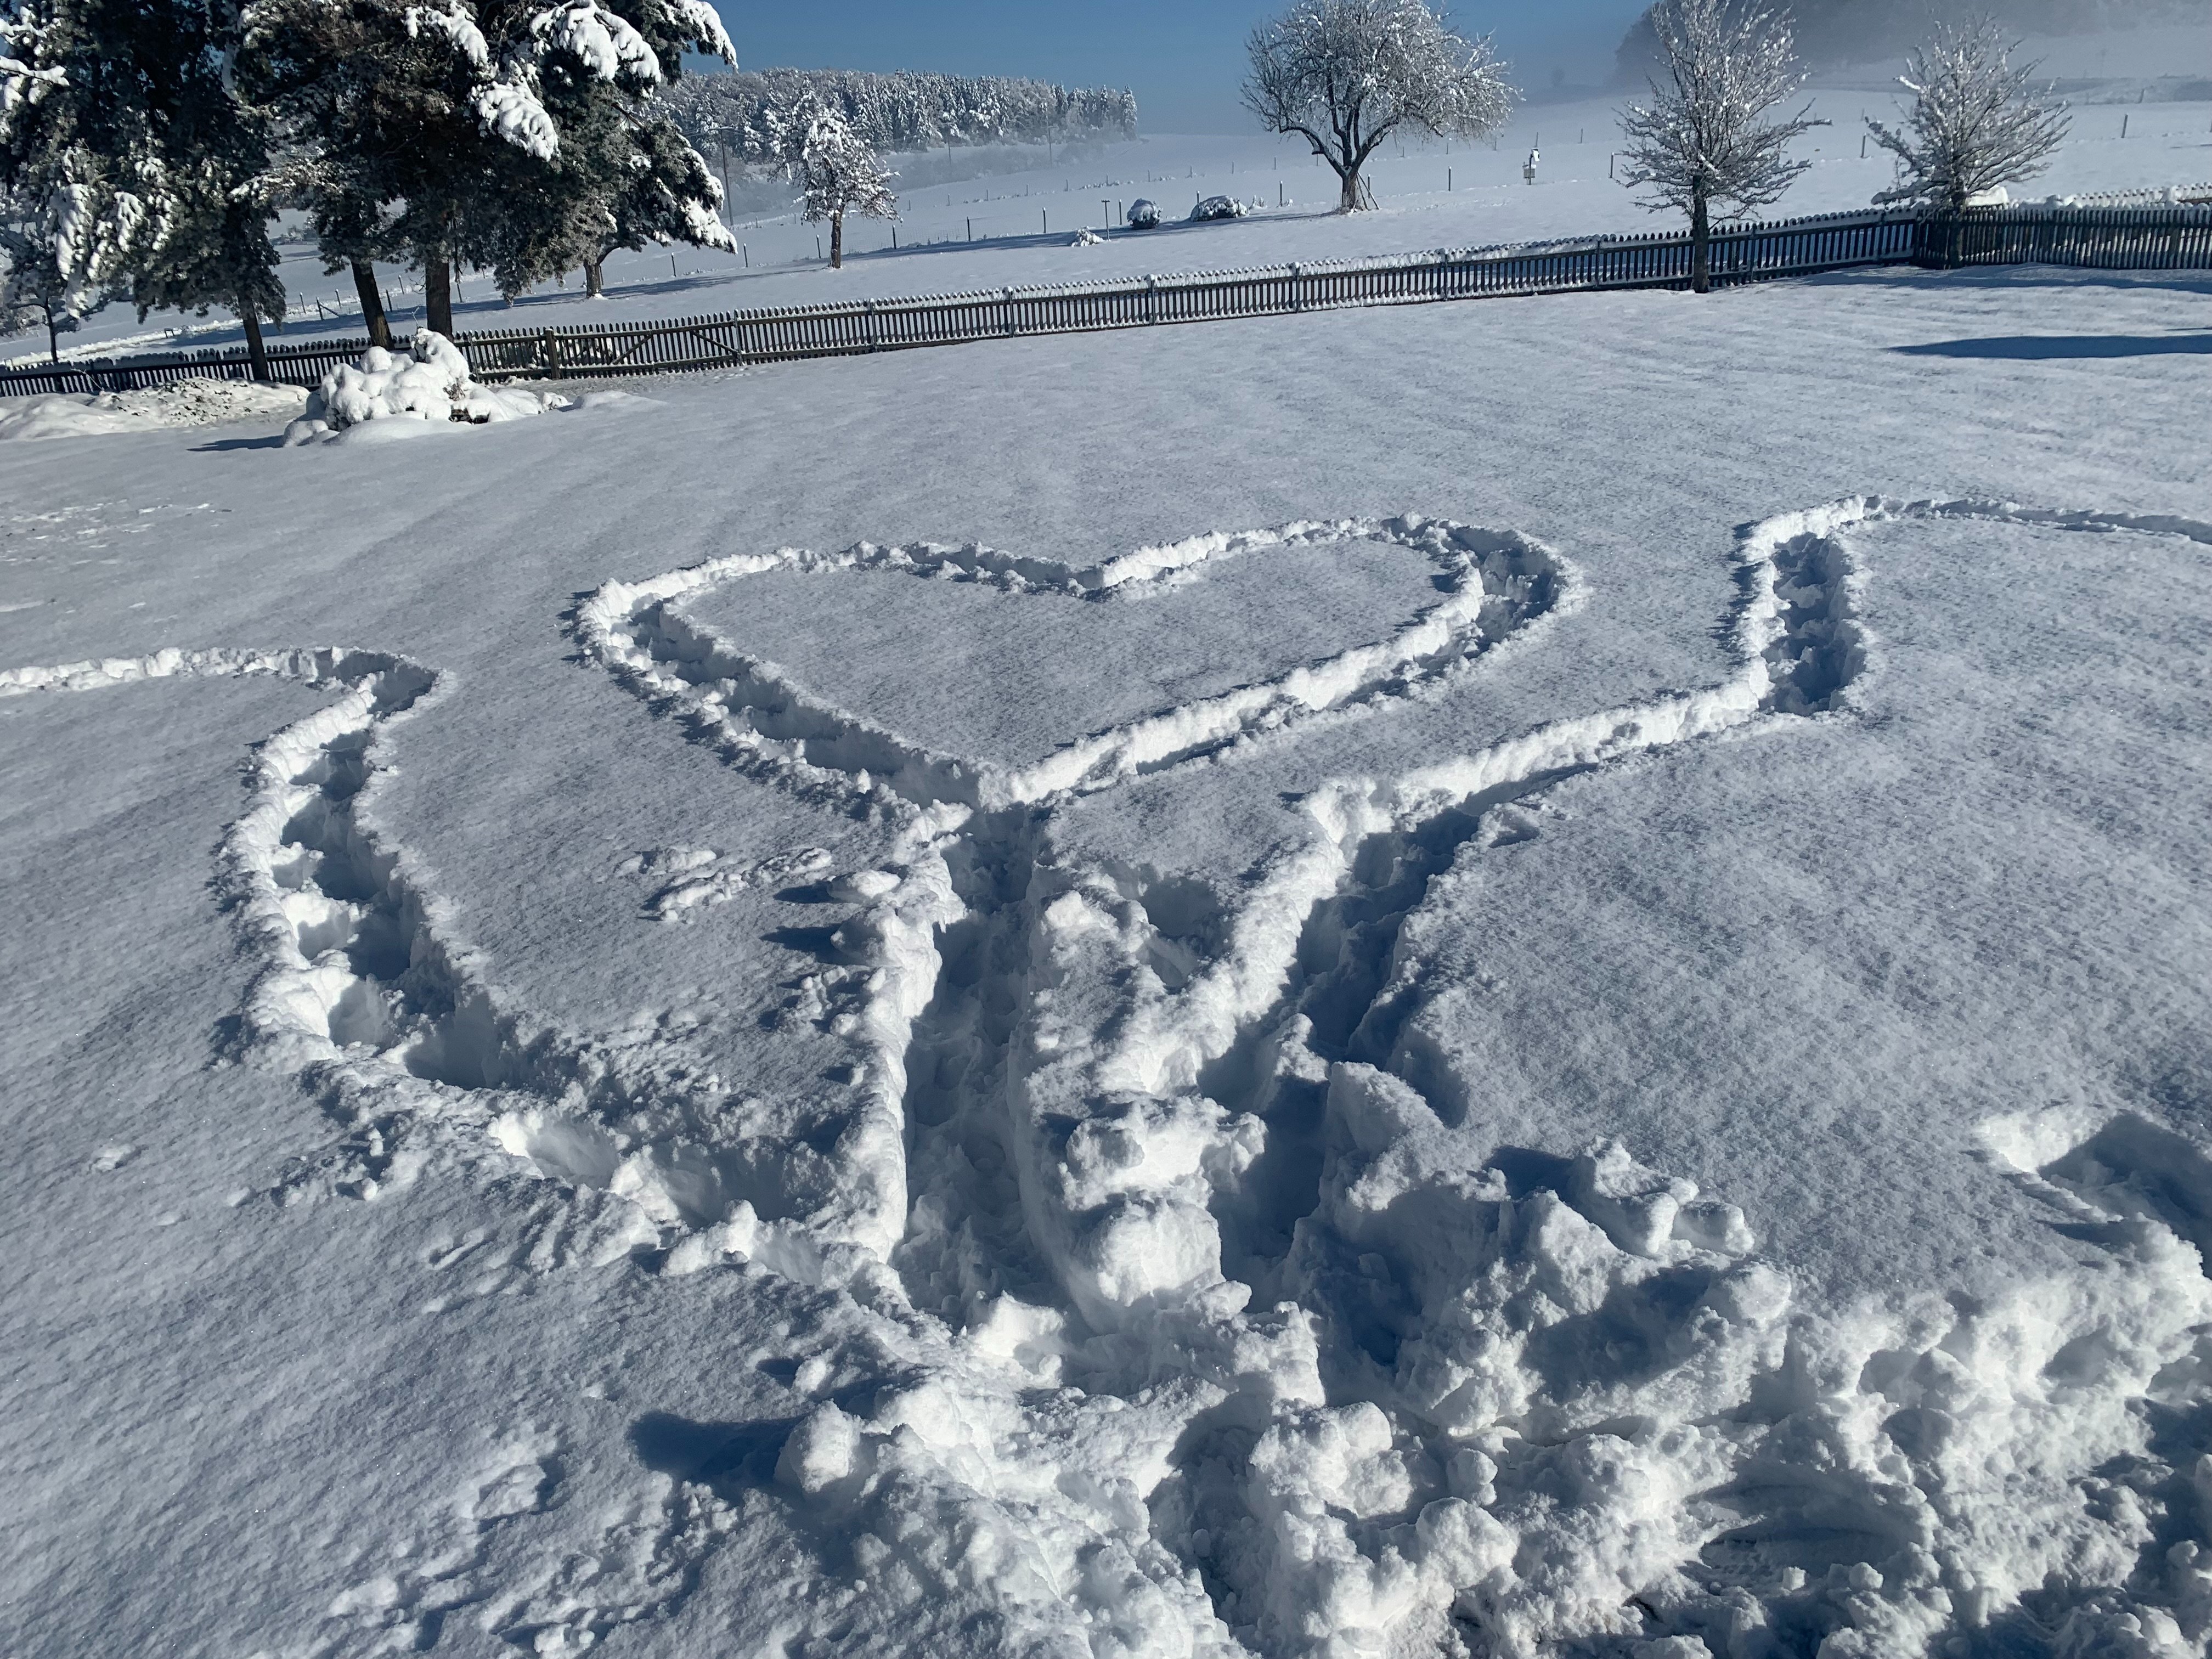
{"x":2166,"y":237}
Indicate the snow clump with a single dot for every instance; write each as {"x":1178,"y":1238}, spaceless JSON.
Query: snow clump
{"x":199,"y":401}
{"x":431,"y":383}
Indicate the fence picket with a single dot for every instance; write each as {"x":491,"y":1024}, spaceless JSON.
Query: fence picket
{"x":2164,"y":236}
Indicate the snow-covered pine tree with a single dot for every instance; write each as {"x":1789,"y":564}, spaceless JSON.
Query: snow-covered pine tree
{"x":120,"y":133}
{"x":1345,"y":74}
{"x":444,"y":132}
{"x":33,"y":294}
{"x":836,"y":169}
{"x":624,"y":177}
{"x":375,"y":102}
{"x":1704,"y":139}
{"x":52,"y":273}
{"x":1977,"y":121}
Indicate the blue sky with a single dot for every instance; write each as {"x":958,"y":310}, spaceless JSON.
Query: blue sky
{"x":1184,"y":57}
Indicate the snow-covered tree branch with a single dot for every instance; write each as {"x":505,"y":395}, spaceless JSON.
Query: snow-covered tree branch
{"x":1977,"y":122}
{"x":1704,"y":139}
{"x":1345,"y":74}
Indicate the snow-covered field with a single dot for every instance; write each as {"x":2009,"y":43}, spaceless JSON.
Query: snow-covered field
{"x":1020,"y":229}
{"x":1516,"y":978}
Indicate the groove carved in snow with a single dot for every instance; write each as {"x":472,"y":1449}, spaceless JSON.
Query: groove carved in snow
{"x":1174,"y":1397}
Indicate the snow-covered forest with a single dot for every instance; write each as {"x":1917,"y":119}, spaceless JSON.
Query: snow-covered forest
{"x":745,"y":113}
{"x":1521,"y":978}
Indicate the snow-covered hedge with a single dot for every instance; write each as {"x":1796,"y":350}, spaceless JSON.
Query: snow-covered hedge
{"x":1144,"y":214}
{"x":1219,"y":207}
{"x":430,"y":383}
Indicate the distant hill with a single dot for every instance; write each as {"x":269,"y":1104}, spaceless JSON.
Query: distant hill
{"x":1836,"y":34}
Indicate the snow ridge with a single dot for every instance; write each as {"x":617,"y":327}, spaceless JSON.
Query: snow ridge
{"x":1491,"y":581}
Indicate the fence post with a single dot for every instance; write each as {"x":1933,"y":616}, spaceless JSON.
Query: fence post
{"x":1008,"y":300}
{"x":551,"y":342}
{"x":872,"y":325}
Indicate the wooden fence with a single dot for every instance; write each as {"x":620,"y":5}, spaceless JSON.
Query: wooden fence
{"x":2160,"y":238}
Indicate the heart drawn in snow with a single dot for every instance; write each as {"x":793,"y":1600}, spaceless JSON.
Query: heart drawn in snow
{"x":1066,"y":679}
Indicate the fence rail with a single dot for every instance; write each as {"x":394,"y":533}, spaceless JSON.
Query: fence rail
{"x":2170,"y":237}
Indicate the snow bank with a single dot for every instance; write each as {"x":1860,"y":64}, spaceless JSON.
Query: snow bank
{"x":177,"y":403}
{"x":431,"y":383}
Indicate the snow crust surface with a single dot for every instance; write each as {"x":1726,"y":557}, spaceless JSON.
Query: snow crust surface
{"x":1505,"y":980}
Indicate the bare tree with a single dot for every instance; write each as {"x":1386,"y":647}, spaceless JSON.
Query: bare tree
{"x":1976,"y":121}
{"x":1704,"y":138}
{"x":1345,"y":74}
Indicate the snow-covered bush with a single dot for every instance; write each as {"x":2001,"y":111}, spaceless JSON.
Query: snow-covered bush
{"x":1144,"y":214}
{"x":1219,"y":207}
{"x":430,"y":383}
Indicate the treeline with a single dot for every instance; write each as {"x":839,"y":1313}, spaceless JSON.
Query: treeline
{"x":746,"y":115}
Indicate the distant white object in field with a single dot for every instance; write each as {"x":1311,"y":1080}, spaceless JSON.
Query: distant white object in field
{"x":1219,"y":207}
{"x":1087,"y":239}
{"x":430,"y":383}
{"x":1976,"y":122}
{"x":1702,"y":139}
{"x":1528,"y":167}
{"x":1344,"y":74}
{"x":1144,"y":215}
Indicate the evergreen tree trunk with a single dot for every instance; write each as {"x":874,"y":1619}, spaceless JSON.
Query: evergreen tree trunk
{"x":595,"y":276}
{"x":836,"y":241}
{"x":438,"y":294}
{"x":1701,"y":246}
{"x":256,"y":351}
{"x":53,"y":338}
{"x":372,"y":304}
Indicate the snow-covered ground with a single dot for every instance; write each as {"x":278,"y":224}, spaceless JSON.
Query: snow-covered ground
{"x":1020,"y":229}
{"x":1517,"y":978}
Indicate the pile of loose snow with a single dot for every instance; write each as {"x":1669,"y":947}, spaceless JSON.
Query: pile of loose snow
{"x":180,"y":403}
{"x":431,"y":383}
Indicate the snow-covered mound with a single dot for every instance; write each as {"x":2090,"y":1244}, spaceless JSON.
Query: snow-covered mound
{"x":1219,"y":207}
{"x":180,"y":403}
{"x":431,"y":383}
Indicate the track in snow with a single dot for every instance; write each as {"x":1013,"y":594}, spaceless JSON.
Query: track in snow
{"x":1132,"y":1155}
